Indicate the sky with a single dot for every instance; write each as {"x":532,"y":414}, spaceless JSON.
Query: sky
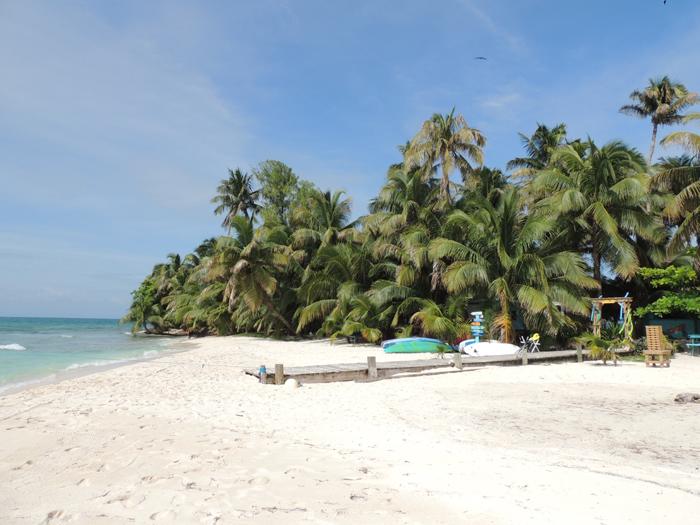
{"x":118,"y":119}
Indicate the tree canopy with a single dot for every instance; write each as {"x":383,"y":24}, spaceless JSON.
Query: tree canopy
{"x":568,"y":219}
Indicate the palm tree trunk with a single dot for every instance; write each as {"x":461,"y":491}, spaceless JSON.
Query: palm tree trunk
{"x":653,"y":142}
{"x":507,"y":335}
{"x":597,"y":263}
{"x":445,"y":185}
{"x":270,"y":306}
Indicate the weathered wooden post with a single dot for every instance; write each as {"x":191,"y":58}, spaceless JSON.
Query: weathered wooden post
{"x":525,"y":357}
{"x":579,"y":353}
{"x":279,"y":374}
{"x":457,"y":360}
{"x":371,"y":367}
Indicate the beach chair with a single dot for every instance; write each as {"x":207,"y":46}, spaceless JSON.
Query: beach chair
{"x":657,"y":352}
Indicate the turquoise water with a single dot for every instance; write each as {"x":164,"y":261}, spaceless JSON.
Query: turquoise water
{"x":33,"y":349}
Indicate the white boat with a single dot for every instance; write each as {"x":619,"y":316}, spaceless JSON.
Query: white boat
{"x":487,"y":348}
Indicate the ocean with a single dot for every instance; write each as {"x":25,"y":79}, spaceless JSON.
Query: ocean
{"x":34,"y":350}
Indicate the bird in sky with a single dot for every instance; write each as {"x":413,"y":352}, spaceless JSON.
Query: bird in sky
{"x":480,"y":58}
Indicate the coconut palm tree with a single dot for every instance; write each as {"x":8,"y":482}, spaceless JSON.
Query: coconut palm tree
{"x":602,"y":193}
{"x":235,"y":196}
{"x":487,"y":183}
{"x":539,"y":148}
{"x":406,"y":199}
{"x":433,"y":320}
{"x":516,"y":259}
{"x":684,"y":177}
{"x":448,"y":143}
{"x":249,"y":262}
{"x":338,"y":273}
{"x":322,"y":219}
{"x":145,"y":311}
{"x":364,"y":318}
{"x":662,"y":101}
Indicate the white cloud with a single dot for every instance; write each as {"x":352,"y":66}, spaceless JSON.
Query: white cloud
{"x":113,"y":99}
{"x":112,"y":140}
{"x":501,"y":101}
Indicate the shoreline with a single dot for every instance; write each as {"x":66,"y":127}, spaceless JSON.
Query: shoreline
{"x":84,"y":369}
{"x":193,"y":439}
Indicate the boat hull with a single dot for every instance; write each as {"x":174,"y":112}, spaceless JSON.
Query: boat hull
{"x":415,"y":345}
{"x":489,"y":348}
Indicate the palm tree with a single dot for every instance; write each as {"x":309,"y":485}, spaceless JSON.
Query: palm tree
{"x":406,"y":199}
{"x":685,"y":177}
{"x":539,"y":147}
{"x":338,"y":274}
{"x":447,"y":142}
{"x":364,"y":318}
{"x":145,"y":311}
{"x":322,"y":219}
{"x":206,"y":248}
{"x":249,"y":263}
{"x":165,"y":274}
{"x":516,"y":259}
{"x":487,"y":183}
{"x":602,"y":193}
{"x":235,"y":196}
{"x":662,"y":101}
{"x":434,"y":321}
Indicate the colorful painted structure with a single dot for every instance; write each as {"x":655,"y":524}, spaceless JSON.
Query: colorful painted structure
{"x":625,"y":304}
{"x":477,"y":329}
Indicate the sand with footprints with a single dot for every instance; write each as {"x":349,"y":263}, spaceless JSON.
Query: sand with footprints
{"x":189,"y":438}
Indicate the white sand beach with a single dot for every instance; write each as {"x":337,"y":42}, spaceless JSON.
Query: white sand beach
{"x":190,"y":439}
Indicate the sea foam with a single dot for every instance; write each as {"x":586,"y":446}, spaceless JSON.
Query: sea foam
{"x":12,"y":346}
{"x":105,"y":362}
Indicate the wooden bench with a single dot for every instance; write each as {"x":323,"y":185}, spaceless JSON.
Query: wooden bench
{"x":657,"y":352}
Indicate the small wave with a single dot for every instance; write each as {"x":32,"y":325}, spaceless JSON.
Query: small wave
{"x":75,"y":366}
{"x":20,"y":385}
{"x":13,"y":346}
{"x":64,"y":336}
{"x":150,"y":353}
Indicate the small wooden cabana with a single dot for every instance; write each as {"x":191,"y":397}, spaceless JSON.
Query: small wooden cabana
{"x":625,"y":303}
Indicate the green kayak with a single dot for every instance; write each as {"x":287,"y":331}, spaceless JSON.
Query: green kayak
{"x":415,"y":345}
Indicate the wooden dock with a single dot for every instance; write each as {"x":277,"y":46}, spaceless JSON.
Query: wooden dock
{"x":372,"y":369}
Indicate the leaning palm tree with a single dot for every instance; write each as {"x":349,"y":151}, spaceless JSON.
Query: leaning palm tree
{"x":602,"y":194}
{"x":515,"y":259}
{"x":235,"y":196}
{"x":685,"y":207}
{"x":447,"y":142}
{"x":145,"y":311}
{"x":662,"y":101}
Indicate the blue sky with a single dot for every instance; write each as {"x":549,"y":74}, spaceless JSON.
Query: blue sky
{"x":117,"y":119}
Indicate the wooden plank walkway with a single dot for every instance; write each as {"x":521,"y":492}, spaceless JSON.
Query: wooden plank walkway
{"x":361,"y":371}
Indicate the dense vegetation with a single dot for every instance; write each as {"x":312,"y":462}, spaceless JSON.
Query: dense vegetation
{"x":570,"y":219}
